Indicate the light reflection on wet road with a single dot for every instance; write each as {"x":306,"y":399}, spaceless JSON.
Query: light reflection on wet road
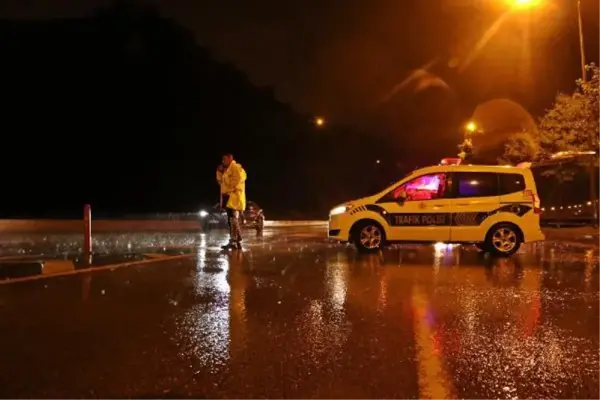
{"x":26,"y":245}
{"x":292,"y":316}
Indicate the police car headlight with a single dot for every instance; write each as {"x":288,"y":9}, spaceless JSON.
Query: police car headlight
{"x":340,"y":209}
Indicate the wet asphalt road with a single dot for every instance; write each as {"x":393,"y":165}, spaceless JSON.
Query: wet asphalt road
{"x":295,"y":317}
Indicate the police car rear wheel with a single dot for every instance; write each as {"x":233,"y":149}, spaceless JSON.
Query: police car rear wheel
{"x":369,"y":236}
{"x":503,"y":240}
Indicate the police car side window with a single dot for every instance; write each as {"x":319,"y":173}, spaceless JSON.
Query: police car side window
{"x":421,"y":188}
{"x":511,"y":183}
{"x":476,"y":184}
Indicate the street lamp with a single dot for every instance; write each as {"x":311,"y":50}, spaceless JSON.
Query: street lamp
{"x":466,"y":147}
{"x":319,"y":121}
{"x":581,"y":46}
{"x":525,"y":3}
{"x":592,"y":134}
{"x":592,"y":167}
{"x":471,"y":127}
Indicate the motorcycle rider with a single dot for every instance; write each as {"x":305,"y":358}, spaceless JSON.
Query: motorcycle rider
{"x":232,"y":179}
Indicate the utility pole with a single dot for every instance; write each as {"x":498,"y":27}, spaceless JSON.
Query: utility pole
{"x":592,"y":139}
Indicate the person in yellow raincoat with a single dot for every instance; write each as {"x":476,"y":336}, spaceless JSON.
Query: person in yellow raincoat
{"x":232,"y":179}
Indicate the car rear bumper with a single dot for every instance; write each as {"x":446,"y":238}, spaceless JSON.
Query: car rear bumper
{"x":534,"y":236}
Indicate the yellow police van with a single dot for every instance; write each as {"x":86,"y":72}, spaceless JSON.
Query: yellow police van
{"x":494,"y":207}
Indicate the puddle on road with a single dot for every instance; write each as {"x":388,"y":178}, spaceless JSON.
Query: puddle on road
{"x":493,"y":328}
{"x":51,"y":245}
{"x":101,"y":260}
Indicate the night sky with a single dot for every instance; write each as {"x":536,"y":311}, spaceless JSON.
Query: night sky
{"x":394,"y":81}
{"x":340,"y":57}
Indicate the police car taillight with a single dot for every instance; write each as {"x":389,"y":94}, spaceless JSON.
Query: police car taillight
{"x":535,"y":200}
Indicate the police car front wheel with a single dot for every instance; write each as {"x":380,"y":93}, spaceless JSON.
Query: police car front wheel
{"x":368,"y":236}
{"x":503,"y":240}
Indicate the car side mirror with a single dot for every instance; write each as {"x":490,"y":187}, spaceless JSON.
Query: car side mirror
{"x":402,"y":196}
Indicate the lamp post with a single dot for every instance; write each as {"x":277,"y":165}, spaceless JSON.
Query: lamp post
{"x":466,"y":147}
{"x":592,"y":164}
{"x":591,"y":139}
{"x":581,"y":43}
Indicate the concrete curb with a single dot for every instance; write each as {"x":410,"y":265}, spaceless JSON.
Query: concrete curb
{"x":94,"y":269}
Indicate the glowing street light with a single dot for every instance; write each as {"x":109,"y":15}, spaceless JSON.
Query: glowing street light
{"x":319,"y":121}
{"x":525,"y":3}
{"x":471,"y":127}
{"x":466,"y":147}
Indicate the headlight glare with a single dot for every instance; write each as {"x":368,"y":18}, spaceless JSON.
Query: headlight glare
{"x":340,"y":209}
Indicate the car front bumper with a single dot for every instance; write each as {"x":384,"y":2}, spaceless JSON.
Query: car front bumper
{"x":337,"y":230}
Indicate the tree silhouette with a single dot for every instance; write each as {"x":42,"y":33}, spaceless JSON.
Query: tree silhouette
{"x":571,"y":124}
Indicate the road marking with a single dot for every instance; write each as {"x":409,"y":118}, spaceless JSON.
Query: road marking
{"x":94,"y":269}
{"x":23,"y":257}
{"x":433,"y":380}
{"x":156,"y":255}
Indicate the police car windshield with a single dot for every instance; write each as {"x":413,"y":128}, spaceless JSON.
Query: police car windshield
{"x":394,"y":183}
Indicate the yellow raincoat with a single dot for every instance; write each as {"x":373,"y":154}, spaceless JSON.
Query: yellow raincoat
{"x":233,"y":184}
